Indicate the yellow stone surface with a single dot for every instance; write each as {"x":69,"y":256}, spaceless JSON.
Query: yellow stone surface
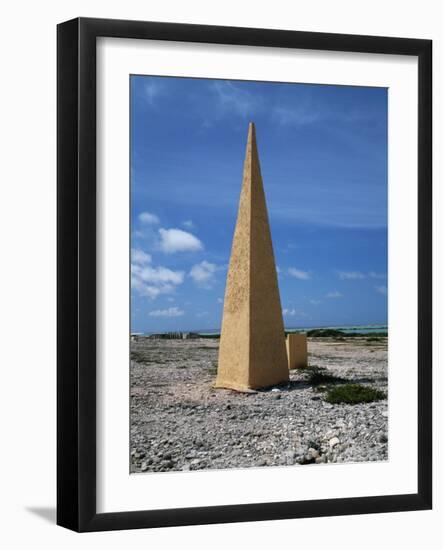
{"x":252,"y":351}
{"x":297,"y":350}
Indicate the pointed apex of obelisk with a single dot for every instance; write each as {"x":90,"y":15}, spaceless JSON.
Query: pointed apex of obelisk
{"x":251,"y":167}
{"x":252,"y":139}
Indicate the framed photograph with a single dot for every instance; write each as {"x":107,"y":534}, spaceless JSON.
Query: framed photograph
{"x":244,"y":274}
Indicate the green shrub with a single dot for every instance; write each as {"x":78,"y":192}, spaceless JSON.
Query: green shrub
{"x":353,"y":393}
{"x":335,"y":333}
{"x":306,"y":368}
{"x":320,"y":375}
{"x":213,"y":368}
{"x":325,"y":333}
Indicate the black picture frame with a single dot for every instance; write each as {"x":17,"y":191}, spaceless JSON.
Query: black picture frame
{"x":76,"y":281}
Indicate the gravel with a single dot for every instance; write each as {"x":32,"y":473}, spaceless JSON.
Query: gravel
{"x":179,"y":422}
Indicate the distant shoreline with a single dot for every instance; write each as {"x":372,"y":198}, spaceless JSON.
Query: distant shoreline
{"x":346,"y":329}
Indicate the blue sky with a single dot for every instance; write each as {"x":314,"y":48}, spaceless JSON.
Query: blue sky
{"x":323,"y":154}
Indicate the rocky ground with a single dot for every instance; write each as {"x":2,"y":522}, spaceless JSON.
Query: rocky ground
{"x":179,"y":422}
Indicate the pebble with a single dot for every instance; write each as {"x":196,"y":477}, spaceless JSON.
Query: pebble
{"x":177,"y":427}
{"x":313,"y":453}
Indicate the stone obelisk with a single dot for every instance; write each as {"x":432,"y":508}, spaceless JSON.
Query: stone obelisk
{"x":252,"y":344}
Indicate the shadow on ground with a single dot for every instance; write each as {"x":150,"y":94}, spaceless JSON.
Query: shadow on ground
{"x":46,"y":513}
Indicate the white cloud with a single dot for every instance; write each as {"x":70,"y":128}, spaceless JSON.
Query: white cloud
{"x":334,"y":294}
{"x":148,"y":218}
{"x":158,"y":274}
{"x":206,"y":123}
{"x":375,"y":275}
{"x":381,"y":289}
{"x":220,"y":300}
{"x":351,"y":275}
{"x":189,"y":224}
{"x":140,"y":257}
{"x":151,"y":90}
{"x":203,"y":273}
{"x":201,"y":314}
{"x":231,"y":98}
{"x":177,"y":240}
{"x":315,"y":302}
{"x":151,"y":281}
{"x":354,"y":275}
{"x":170,"y":312}
{"x":151,"y":291}
{"x":299,"y":274}
{"x":297,"y":116}
{"x":293,"y":312}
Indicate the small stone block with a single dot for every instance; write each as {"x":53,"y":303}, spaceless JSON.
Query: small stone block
{"x":297,"y":351}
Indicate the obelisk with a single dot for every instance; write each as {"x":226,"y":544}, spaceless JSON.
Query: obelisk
{"x":252,"y":351}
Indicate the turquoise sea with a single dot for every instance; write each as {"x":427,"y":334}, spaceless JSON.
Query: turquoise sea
{"x":363,"y":329}
{"x":350,"y":329}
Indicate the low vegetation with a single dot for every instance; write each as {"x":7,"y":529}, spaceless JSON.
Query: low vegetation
{"x":339,"y":334}
{"x":213,"y":368}
{"x":140,"y":357}
{"x":353,"y":393}
{"x":317,"y":376}
{"x":325,"y":333}
{"x":147,"y":358}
